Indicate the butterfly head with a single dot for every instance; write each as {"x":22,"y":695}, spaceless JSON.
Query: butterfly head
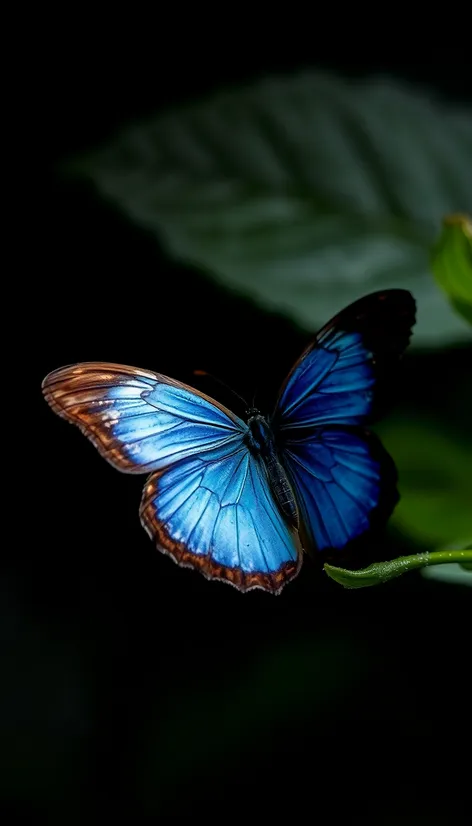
{"x":260,"y":437}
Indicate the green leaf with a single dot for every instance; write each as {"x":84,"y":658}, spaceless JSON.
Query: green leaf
{"x":435,"y":480}
{"x":452,"y":263}
{"x":453,"y":574}
{"x":380,"y":572}
{"x":456,"y":574}
{"x":302,"y":193}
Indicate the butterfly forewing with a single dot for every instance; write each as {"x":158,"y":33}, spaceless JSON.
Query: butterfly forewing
{"x":346,"y":374}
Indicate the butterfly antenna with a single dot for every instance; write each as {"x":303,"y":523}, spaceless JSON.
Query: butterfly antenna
{"x":222,"y":383}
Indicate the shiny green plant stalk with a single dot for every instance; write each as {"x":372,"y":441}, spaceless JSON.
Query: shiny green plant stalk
{"x":380,"y":572}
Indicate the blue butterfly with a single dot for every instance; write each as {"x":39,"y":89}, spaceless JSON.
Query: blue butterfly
{"x":240,"y":501}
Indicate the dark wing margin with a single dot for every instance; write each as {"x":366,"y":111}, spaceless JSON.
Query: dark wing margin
{"x":348,"y":374}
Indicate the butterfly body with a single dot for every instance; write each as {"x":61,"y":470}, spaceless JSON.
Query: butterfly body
{"x":240,"y":501}
{"x":261,"y":441}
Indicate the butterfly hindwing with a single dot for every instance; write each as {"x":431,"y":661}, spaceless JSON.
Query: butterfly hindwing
{"x":217,"y":514}
{"x":342,"y":378}
{"x":345,"y":484}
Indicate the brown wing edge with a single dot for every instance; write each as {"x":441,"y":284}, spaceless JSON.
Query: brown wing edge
{"x":63,"y":374}
{"x":211,"y":570}
{"x":78,"y":394}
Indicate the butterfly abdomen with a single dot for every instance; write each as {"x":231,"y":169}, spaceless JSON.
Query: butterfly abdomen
{"x":261,"y":443}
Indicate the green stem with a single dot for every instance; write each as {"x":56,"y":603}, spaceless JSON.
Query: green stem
{"x":383,"y":571}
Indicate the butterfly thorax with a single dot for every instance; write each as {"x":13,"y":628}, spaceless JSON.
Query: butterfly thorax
{"x":261,"y":443}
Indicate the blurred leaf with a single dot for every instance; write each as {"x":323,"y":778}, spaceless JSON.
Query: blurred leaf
{"x":454,"y":574}
{"x":452,"y":263}
{"x":380,"y":572}
{"x":302,"y":192}
{"x":435,"y":481}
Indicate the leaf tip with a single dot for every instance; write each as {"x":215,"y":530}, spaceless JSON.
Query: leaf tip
{"x":342,"y":576}
{"x":460,"y":219}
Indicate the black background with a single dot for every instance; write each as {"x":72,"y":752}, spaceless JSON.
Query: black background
{"x":134,"y":687}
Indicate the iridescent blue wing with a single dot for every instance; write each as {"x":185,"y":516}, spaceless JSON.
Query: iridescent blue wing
{"x":344,"y":481}
{"x":139,"y":421}
{"x":217,"y":514}
{"x":346,"y":374}
{"x":209,"y":505}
